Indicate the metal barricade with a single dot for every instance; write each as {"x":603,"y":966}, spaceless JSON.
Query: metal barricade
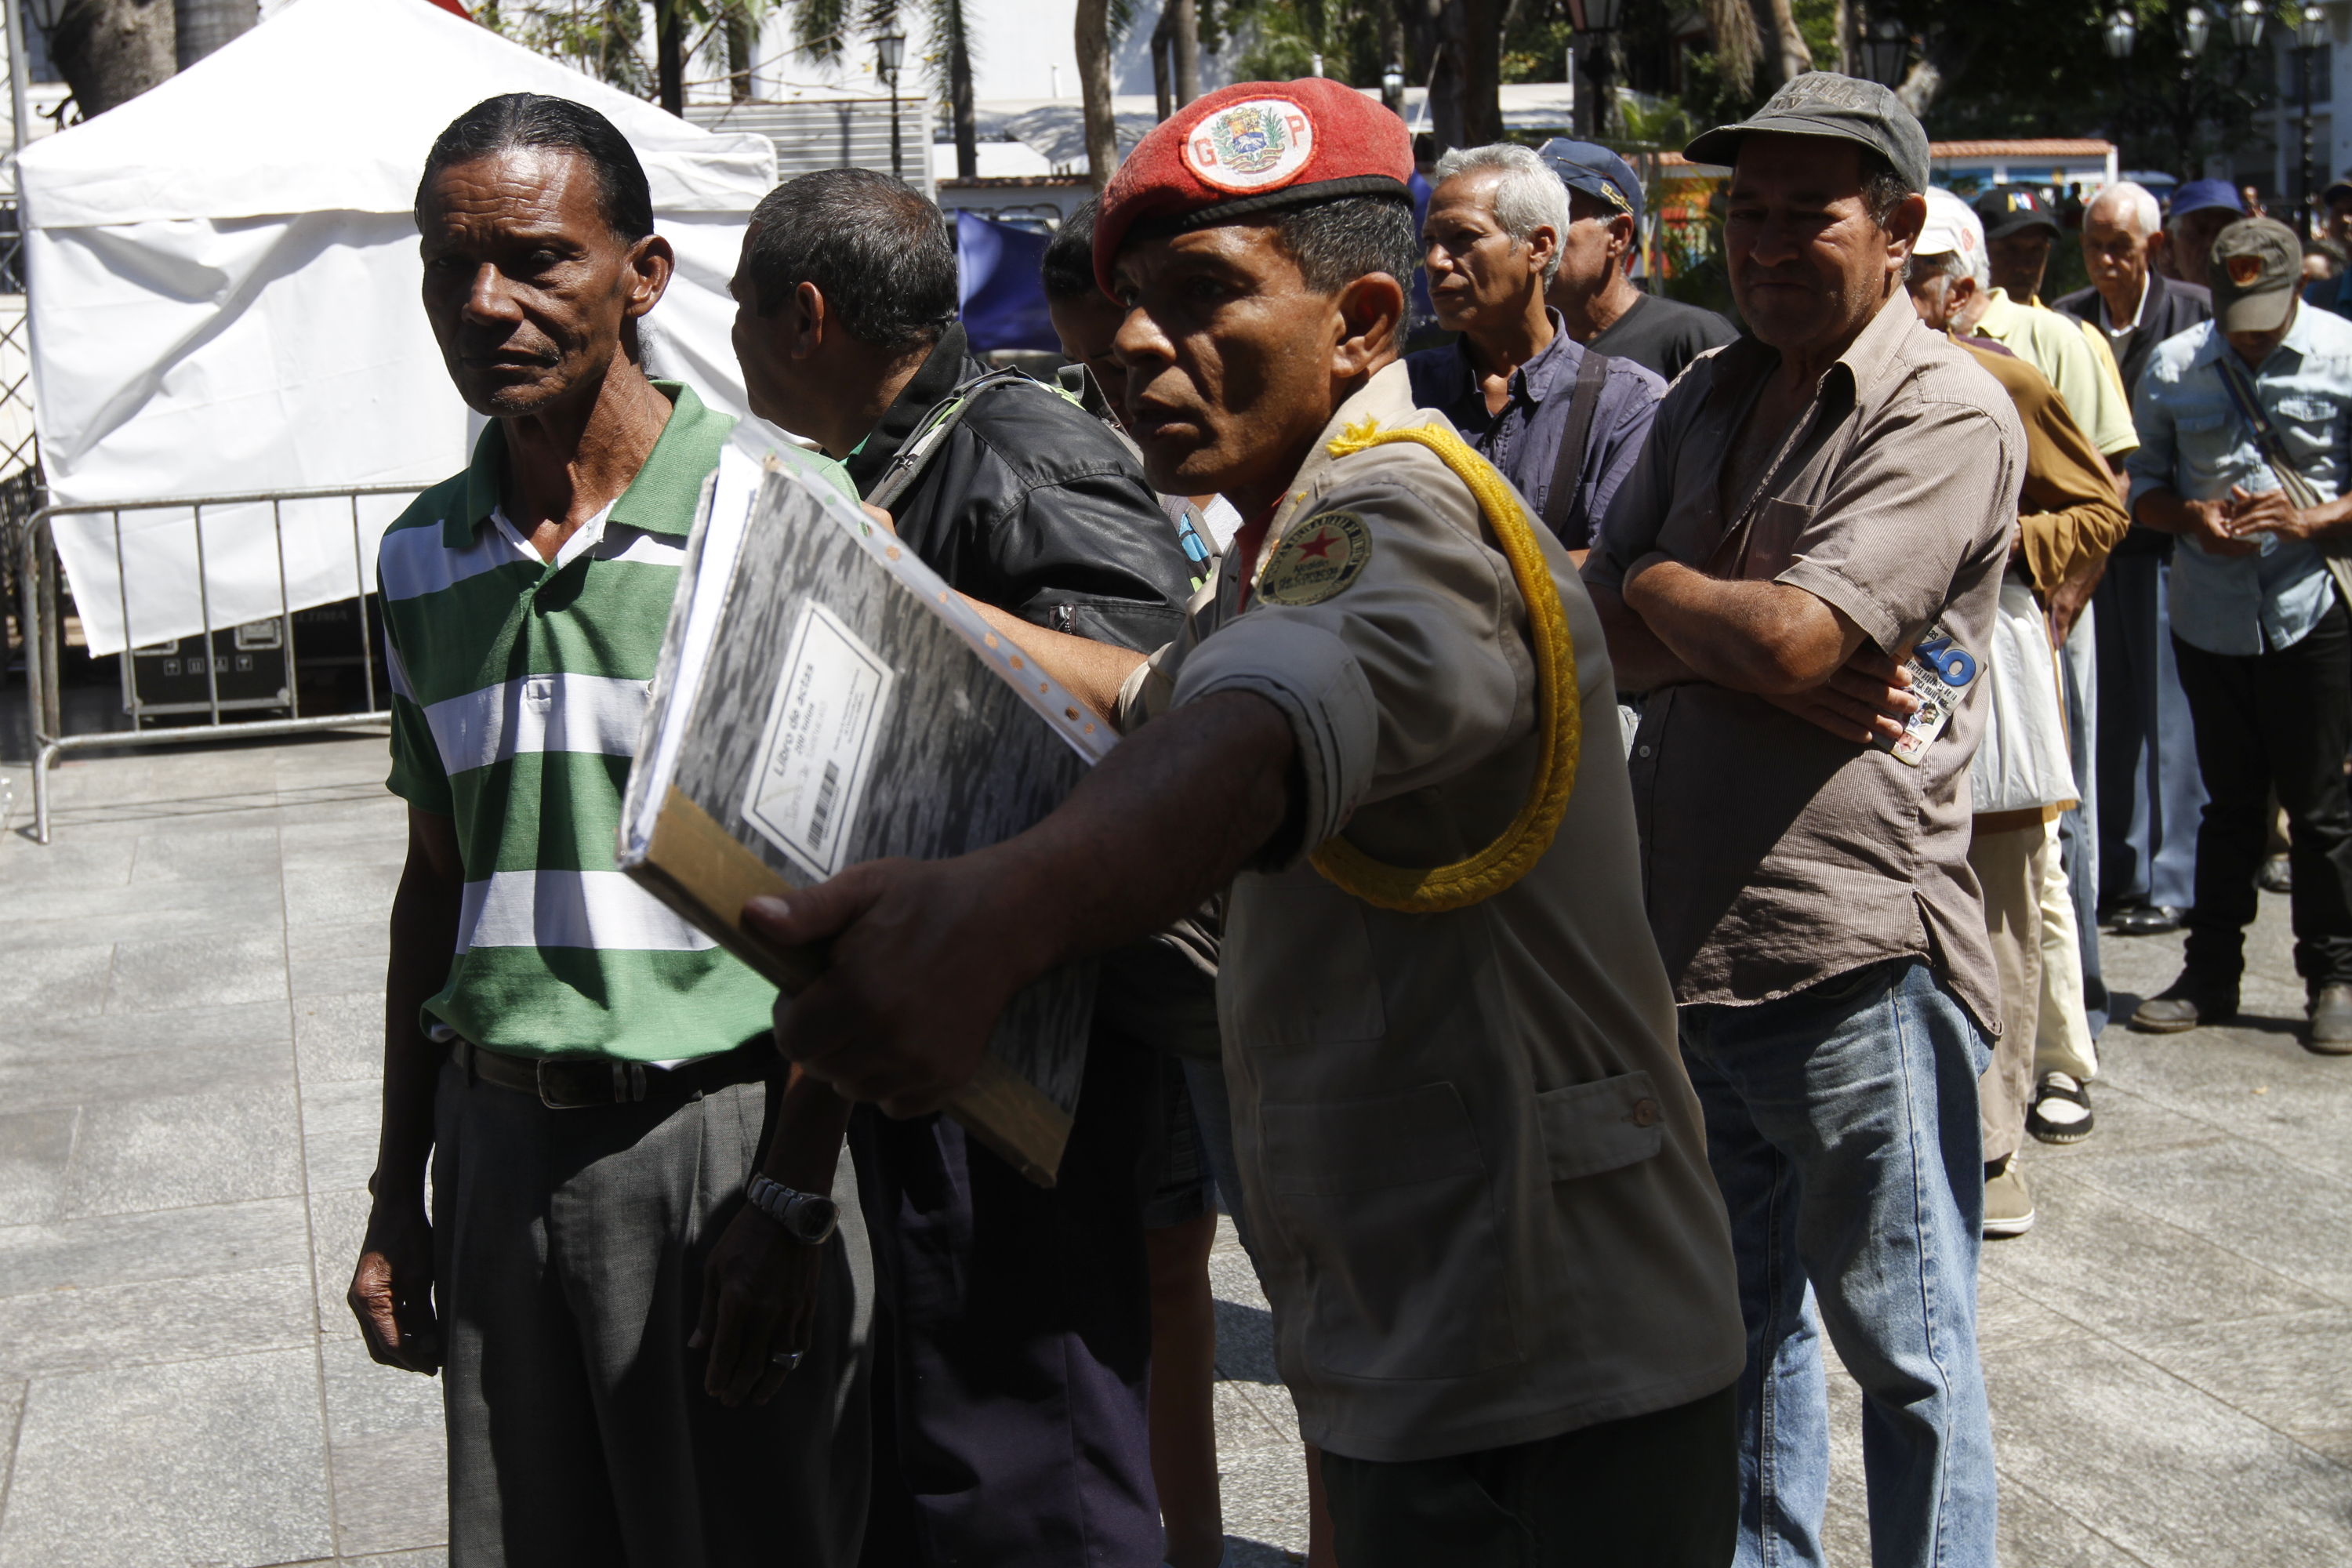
{"x":36,"y":582}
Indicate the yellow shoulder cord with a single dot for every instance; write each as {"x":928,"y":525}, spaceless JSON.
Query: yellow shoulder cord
{"x":1560,"y":717}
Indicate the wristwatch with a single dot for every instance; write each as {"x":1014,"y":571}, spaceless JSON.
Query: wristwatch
{"x":804,"y":1216}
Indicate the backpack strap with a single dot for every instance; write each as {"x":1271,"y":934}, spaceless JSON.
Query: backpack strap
{"x":931,"y":430}
{"x":1563,"y":511}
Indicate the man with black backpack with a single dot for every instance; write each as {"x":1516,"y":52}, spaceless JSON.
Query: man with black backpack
{"x":1012,"y":1322}
{"x":1562,"y":423}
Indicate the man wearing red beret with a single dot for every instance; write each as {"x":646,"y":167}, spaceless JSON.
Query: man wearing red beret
{"x":1501,"y":1278}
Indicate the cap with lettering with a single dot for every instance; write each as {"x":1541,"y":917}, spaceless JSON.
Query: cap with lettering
{"x":1589,"y":167}
{"x":2257,"y":268}
{"x":1838,"y":108}
{"x":1951,"y":226}
{"x":2197,"y":195}
{"x":2011,"y":210}
{"x":1250,"y":148}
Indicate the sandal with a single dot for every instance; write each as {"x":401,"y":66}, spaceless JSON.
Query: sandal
{"x":2062,"y":1109}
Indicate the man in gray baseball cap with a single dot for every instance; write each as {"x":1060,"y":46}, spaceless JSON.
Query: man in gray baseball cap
{"x":1822,"y":504}
{"x":2245,"y":449}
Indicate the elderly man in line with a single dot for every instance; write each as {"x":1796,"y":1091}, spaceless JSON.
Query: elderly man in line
{"x":1594,"y":290}
{"x":1010,"y":1415}
{"x":1802,"y":575}
{"x":590,"y":1076}
{"x":1561,"y":422}
{"x":2148,"y":782}
{"x":2200,"y":210}
{"x":2247,"y":422}
{"x":2019,"y":230}
{"x":2024,"y":776}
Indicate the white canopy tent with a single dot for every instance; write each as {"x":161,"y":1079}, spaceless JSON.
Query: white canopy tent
{"x":224,"y":286}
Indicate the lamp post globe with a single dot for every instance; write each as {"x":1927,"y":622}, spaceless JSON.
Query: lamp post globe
{"x":2121,"y":30}
{"x":1886,"y":52}
{"x":2195,"y":29}
{"x":2247,"y":20}
{"x":1602,"y":15}
{"x":2311,"y":27}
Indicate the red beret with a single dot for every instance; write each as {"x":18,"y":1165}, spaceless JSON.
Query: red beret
{"x":1250,"y":148}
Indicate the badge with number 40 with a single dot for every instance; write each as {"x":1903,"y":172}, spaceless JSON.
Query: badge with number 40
{"x":1940,"y":672}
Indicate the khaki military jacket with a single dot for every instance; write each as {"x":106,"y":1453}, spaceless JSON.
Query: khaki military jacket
{"x":1474,"y":1170}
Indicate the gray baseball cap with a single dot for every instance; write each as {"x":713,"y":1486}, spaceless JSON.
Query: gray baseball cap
{"x":1840,"y":108}
{"x":2257,"y":269}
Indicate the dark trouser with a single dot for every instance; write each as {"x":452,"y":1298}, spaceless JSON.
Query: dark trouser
{"x":1013,"y":1329}
{"x":2280,"y":719}
{"x":1660,"y":1490}
{"x":2148,"y":792}
{"x":569,"y":1248}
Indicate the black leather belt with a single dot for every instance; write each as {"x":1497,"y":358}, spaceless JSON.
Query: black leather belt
{"x":574,"y":1083}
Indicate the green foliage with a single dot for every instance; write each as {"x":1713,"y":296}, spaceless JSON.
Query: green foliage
{"x":604,"y":39}
{"x":1280,"y":38}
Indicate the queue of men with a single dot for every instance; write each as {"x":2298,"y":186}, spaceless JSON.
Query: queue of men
{"x":1565,"y":1077}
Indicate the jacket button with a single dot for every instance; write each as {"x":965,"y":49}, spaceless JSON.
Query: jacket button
{"x":1646,"y":1113}
{"x":1646,"y":751}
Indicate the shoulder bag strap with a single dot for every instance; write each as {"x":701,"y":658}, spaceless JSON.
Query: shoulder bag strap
{"x":2267,"y":439}
{"x":1563,"y":509}
{"x":942,"y":416}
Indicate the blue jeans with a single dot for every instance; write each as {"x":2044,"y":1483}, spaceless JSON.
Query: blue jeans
{"x":1841,"y":1124}
{"x":2150,"y":791}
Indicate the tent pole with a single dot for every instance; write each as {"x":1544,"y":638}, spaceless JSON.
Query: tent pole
{"x":21,"y":112}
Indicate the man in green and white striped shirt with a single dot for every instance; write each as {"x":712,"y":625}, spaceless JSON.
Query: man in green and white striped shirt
{"x":635,"y":1372}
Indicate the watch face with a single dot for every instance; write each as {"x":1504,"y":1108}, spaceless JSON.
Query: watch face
{"x":815,"y":1218}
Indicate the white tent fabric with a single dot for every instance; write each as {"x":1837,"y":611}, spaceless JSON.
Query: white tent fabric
{"x":223,"y":289}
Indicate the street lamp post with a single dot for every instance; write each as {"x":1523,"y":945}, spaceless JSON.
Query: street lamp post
{"x":889,"y":54}
{"x":2310,"y":32}
{"x":2121,"y":30}
{"x":2246,"y":22}
{"x":1599,"y":18}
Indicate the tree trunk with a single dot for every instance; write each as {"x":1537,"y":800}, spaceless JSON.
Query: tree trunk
{"x":1163,"y":76}
{"x":1465,"y":41}
{"x":1737,"y":45}
{"x":743,"y":46}
{"x":111,"y":51}
{"x":203,"y":25}
{"x":959,"y":99}
{"x":669,"y":55}
{"x":1093,"y":38}
{"x":1186,"y":28}
{"x":1795,"y":58}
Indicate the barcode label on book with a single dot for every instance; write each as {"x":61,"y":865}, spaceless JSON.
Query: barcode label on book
{"x":822,"y":723}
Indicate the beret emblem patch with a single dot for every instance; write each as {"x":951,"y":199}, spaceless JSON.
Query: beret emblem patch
{"x":1259,"y":144}
{"x":1316,"y":559}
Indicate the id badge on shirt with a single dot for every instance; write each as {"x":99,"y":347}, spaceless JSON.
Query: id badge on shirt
{"x":1940,"y":672}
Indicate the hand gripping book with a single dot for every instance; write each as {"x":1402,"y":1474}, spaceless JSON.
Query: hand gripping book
{"x":823,"y":698}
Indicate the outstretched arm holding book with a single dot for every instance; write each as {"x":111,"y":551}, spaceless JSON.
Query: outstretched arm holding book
{"x":1166,"y":819}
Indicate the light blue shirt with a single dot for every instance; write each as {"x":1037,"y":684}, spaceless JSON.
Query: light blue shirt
{"x":2194,"y":442}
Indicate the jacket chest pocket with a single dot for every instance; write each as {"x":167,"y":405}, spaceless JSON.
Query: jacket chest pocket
{"x":2308,"y":426}
{"x":1386,"y":1201}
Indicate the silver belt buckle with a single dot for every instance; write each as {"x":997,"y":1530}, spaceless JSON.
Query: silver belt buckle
{"x":539,"y":1076}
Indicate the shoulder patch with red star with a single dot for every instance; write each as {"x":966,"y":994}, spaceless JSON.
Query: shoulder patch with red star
{"x":1316,"y":560}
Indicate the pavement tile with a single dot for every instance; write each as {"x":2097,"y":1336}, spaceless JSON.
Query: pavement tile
{"x":2292,"y":1375}
{"x":339,"y":1038}
{"x":338,"y":893}
{"x":339,"y":1121}
{"x":35,"y":1146}
{"x":2109,"y":1264}
{"x":124,"y":1249}
{"x":160,"y":1072}
{"x":2035,"y":1531}
{"x":336,"y":959}
{"x":28,"y":868}
{"x":391,"y":1492}
{"x":37,"y":984}
{"x":184,"y":857}
{"x":201,"y":1315}
{"x":1264,"y":1493}
{"x":2008,"y":1316}
{"x":366,"y":1402}
{"x":155,"y":911}
{"x":311,"y":838}
{"x":215,"y":1461}
{"x":2166,"y":1472}
{"x":221,"y":1144}
{"x":54,"y":1043}
{"x":207,"y":969}
{"x":2262,"y":1206}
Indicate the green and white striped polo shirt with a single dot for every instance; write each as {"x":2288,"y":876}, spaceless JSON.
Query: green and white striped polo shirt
{"x":519,"y":687}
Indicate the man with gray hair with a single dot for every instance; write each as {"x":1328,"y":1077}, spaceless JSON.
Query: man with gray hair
{"x":1562,"y":423}
{"x":2149,"y":787}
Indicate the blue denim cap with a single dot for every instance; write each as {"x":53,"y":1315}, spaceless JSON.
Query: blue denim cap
{"x":1589,"y":167}
{"x":2198,"y":194}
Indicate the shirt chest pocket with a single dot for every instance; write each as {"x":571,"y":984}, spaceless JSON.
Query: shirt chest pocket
{"x":1773,"y":539}
{"x":2307,"y":425}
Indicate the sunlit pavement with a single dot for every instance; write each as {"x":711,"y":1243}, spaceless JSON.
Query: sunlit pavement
{"x":190,"y":1020}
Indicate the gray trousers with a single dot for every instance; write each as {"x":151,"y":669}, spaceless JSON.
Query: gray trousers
{"x":569,"y":1248}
